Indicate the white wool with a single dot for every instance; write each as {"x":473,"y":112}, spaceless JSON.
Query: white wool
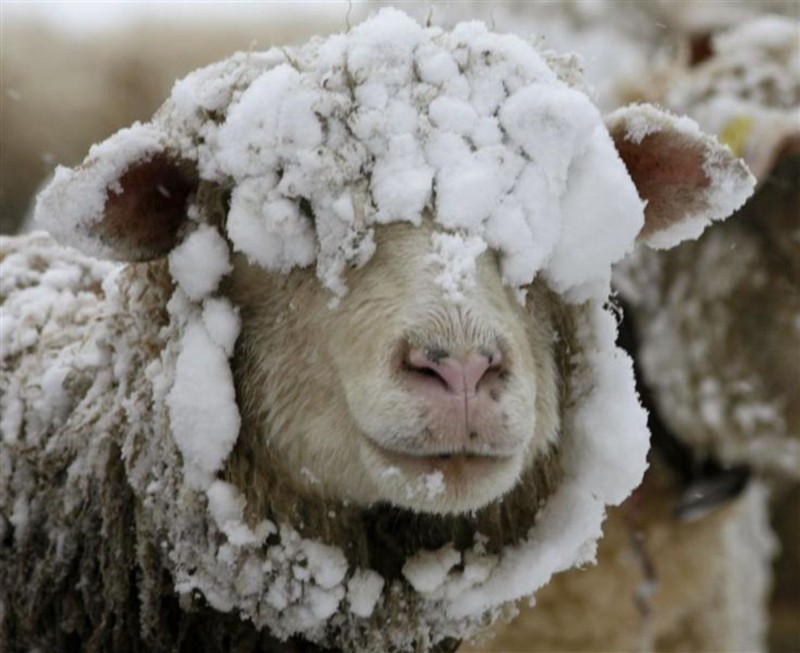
{"x":749,"y":547}
{"x":768,"y":32}
{"x":44,"y":299}
{"x":199,"y":262}
{"x":19,"y":517}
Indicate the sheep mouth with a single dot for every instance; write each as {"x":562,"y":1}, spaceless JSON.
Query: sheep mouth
{"x":455,"y":461}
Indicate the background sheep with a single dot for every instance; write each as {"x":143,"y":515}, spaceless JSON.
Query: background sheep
{"x":130,"y":438}
{"x":745,"y":284}
{"x":739,"y":404}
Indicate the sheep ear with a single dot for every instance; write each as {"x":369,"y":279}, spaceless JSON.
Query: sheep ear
{"x":687,"y":178}
{"x":127,"y":201}
{"x":146,"y":208}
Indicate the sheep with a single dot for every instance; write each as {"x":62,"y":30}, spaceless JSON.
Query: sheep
{"x":355,"y":372}
{"x":736,"y":401}
{"x":747,"y":91}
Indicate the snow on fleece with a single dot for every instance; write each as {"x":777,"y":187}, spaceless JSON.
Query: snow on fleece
{"x":384,"y":123}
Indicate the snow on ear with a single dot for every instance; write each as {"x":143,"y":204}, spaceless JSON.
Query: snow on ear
{"x":127,"y":201}
{"x":687,"y":178}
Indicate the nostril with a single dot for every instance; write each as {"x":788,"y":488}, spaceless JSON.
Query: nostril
{"x":467,"y":375}
{"x":427,"y":372}
{"x":427,"y":364}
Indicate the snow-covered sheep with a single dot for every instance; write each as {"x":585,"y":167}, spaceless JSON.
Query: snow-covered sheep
{"x":719,"y":318}
{"x":622,"y":52}
{"x":357,"y":381}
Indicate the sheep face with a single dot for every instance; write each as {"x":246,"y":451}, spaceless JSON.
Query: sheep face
{"x":396,"y":393}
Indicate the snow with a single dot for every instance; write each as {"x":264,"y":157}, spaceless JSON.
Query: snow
{"x":221,"y":320}
{"x":748,"y":93}
{"x":587,"y":215}
{"x":363,"y":592}
{"x":471,"y":127}
{"x":456,"y":256}
{"x":326,"y":565}
{"x":72,"y":202}
{"x":202,"y":406}
{"x":225,"y":503}
{"x":401,"y":182}
{"x":265,"y":231}
{"x":427,"y":570}
{"x":42,"y":299}
{"x":199,"y":262}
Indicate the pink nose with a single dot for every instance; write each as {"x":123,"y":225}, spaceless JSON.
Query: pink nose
{"x":463,"y":376}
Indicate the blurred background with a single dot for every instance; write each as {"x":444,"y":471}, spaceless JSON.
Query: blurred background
{"x":72,"y":73}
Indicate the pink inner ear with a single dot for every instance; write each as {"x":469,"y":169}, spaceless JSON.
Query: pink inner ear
{"x":142,"y":221}
{"x":667,"y":170}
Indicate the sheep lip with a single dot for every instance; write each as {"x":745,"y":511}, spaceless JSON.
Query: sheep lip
{"x":444,"y":456}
